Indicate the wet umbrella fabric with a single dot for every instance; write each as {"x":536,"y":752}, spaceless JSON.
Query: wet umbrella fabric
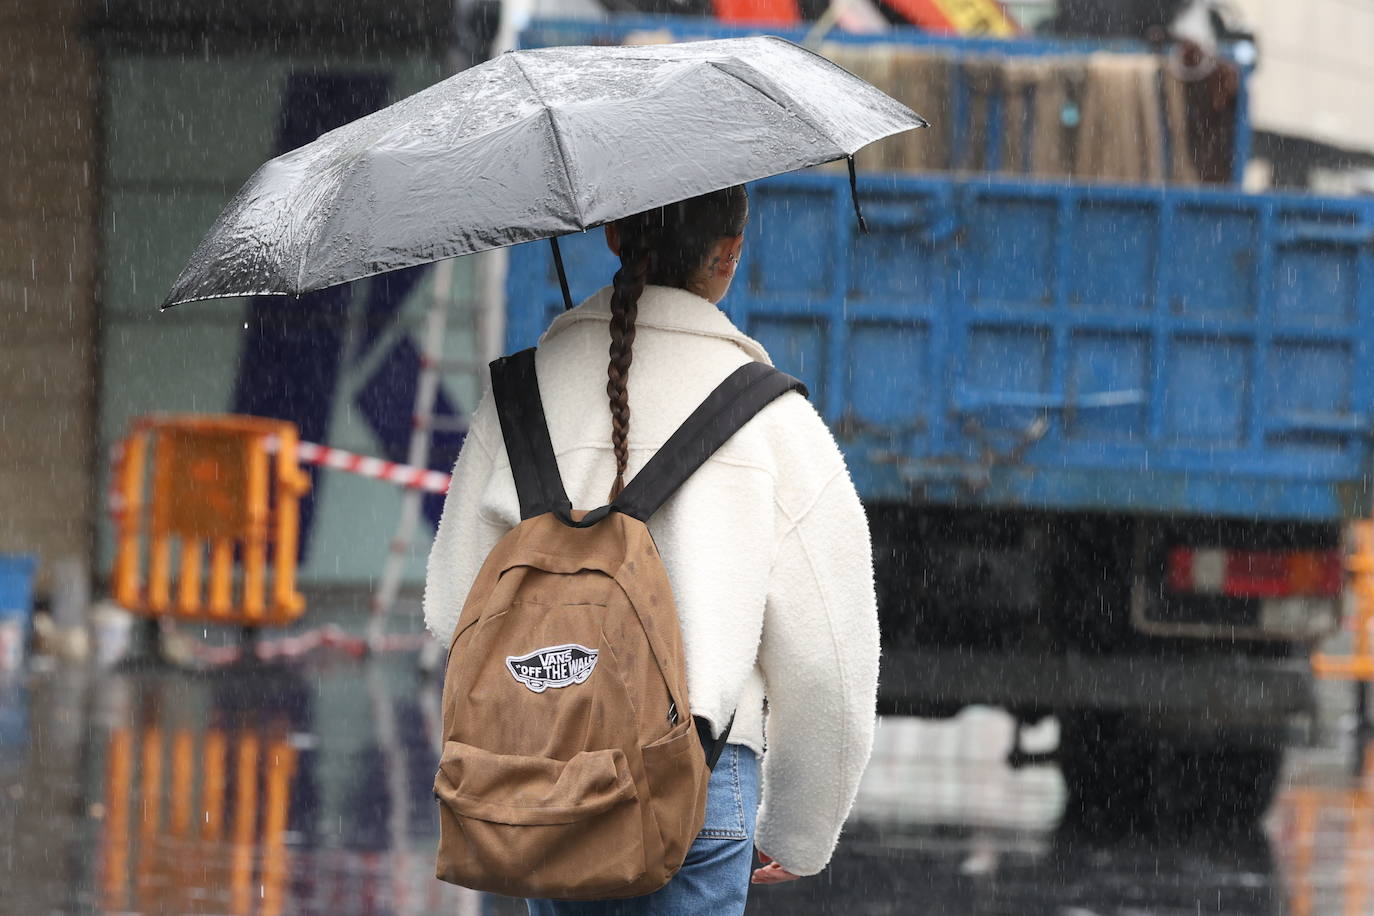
{"x":532,"y":145}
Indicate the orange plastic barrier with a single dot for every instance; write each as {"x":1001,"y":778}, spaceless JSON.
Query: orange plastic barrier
{"x":226,"y":488}
{"x":1359,"y":664}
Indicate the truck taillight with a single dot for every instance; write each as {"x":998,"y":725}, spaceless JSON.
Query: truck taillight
{"x":1254,"y":573}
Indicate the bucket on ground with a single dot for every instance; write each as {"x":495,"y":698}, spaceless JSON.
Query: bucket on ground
{"x":16,"y":606}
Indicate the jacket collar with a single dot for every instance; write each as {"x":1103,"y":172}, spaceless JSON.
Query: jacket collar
{"x":666,"y":308}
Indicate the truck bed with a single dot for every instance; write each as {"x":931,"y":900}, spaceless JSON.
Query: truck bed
{"x":1057,"y":346}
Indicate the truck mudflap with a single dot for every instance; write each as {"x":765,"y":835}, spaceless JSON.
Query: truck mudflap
{"x":1189,"y":692}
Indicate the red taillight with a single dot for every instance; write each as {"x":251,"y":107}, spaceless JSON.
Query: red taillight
{"x":1254,"y":573}
{"x":1259,"y":574}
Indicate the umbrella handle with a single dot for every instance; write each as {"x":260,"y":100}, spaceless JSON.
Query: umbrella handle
{"x":562,"y":276}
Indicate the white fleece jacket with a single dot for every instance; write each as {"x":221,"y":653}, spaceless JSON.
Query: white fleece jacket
{"x":766,"y":548}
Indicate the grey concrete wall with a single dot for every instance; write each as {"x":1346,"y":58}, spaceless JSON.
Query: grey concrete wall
{"x":48,"y":254}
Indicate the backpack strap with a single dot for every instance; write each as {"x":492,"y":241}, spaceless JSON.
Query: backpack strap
{"x":733,"y":403}
{"x":523,"y":426}
{"x":713,"y":747}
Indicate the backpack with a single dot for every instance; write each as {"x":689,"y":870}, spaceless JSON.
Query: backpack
{"x":572,"y":767}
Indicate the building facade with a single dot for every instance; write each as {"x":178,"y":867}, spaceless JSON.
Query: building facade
{"x":1309,"y":95}
{"x":134,"y":122}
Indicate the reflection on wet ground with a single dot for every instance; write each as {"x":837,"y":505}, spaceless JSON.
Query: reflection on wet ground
{"x":306,"y":789}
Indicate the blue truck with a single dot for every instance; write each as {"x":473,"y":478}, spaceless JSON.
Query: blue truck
{"x":1107,"y":436}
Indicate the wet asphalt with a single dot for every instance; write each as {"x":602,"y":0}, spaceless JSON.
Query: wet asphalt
{"x":305,"y":788}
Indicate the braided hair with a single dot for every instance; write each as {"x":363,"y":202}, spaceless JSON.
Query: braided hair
{"x":665,"y":246}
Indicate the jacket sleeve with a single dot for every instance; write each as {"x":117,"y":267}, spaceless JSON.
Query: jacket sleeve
{"x":819,"y":657}
{"x":466,"y":532}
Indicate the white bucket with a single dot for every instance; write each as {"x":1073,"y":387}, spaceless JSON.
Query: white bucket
{"x":111,"y":626}
{"x":12,"y":636}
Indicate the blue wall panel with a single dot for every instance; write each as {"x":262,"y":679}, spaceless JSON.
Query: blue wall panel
{"x":1309,"y":392}
{"x":1316,"y":282}
{"x":1208,"y":383}
{"x":897,"y":260}
{"x":1112,"y":256}
{"x":1011,"y":242}
{"x":1212,"y":261}
{"x":797,"y":345}
{"x":889,"y":374}
{"x":1005,"y":361}
{"x":802,"y":264}
{"x":1109,"y":373}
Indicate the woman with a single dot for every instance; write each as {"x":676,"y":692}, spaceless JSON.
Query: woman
{"x":766,"y":548}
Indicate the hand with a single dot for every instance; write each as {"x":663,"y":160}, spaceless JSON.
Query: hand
{"x":772,"y":872}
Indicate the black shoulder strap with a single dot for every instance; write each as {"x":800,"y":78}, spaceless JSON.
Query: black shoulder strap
{"x":523,"y":426}
{"x":713,"y":747}
{"x":732,"y":404}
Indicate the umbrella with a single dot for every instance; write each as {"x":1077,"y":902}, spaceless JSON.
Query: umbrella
{"x":533,"y":145}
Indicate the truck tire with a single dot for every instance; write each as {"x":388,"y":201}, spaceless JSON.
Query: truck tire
{"x":1106,"y":768}
{"x":1226,"y":787}
{"x":1120,"y":775}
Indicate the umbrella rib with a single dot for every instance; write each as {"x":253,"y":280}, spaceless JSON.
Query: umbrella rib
{"x":557,"y":139}
{"x":767,"y":95}
{"x":309,"y":243}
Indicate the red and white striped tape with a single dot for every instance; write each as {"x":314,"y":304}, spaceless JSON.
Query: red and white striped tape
{"x":336,"y":459}
{"x":403,"y":475}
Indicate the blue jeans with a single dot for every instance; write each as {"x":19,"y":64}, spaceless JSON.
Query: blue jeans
{"x":714,"y":878}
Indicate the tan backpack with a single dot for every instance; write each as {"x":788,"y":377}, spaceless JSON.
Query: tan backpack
{"x":572,"y":767}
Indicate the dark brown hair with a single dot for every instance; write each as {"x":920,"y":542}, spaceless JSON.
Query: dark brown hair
{"x":665,"y":246}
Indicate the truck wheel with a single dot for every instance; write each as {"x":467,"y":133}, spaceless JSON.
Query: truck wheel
{"x":1120,"y":775}
{"x":1106,"y":767}
{"x":1227,"y":787}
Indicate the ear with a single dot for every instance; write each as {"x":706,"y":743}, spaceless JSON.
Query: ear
{"x":613,"y":239}
{"x":725,"y":253}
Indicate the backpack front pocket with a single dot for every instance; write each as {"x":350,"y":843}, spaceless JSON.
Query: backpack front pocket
{"x":538,"y":827}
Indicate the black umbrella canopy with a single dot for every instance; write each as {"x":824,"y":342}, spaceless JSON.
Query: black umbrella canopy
{"x":532,"y":145}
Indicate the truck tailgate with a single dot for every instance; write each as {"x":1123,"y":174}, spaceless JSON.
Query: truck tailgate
{"x":1058,"y":346}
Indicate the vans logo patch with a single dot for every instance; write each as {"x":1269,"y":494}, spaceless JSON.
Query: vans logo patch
{"x":555,"y":666}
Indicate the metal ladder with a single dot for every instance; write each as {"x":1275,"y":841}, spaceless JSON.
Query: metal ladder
{"x":488,"y":330}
